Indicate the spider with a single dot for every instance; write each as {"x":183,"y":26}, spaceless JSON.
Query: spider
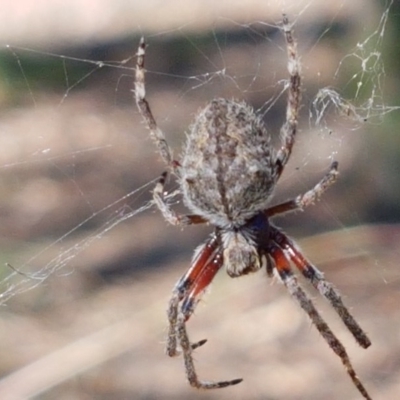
{"x":227,"y":174}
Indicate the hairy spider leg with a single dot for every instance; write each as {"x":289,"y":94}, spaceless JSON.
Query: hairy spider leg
{"x":189,"y":363}
{"x":282,"y":266}
{"x":326,"y":289}
{"x":161,"y":142}
{"x":190,"y":287}
{"x":168,"y":213}
{"x":140,"y":96}
{"x":306,"y":199}
{"x":289,"y":128}
{"x":184,"y":286}
{"x":201,"y":283}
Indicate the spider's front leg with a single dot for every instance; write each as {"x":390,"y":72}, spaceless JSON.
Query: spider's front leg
{"x":207,"y":262}
{"x":325,"y":288}
{"x":184,"y":288}
{"x":282,"y":266}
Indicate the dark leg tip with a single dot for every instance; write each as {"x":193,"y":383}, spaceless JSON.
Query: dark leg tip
{"x":198,"y":344}
{"x":230,"y":383}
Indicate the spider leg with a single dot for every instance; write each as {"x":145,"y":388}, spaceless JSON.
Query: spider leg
{"x":289,"y":129}
{"x":208,"y":261}
{"x":326,"y":289}
{"x":283,"y":268}
{"x":161,"y":142}
{"x":144,"y":108}
{"x":168,"y":213}
{"x":191,"y":374}
{"x":306,"y":199}
{"x":203,"y":256}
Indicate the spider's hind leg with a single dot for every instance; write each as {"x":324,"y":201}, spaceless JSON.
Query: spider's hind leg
{"x":289,"y":128}
{"x":144,"y":107}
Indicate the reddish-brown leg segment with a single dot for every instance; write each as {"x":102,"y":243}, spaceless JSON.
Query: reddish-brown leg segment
{"x":203,"y":256}
{"x":207,"y":262}
{"x":326,"y":289}
{"x":282,"y":266}
{"x":200,"y":284}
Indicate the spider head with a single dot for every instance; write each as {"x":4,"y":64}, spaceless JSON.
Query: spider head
{"x":243,"y":245}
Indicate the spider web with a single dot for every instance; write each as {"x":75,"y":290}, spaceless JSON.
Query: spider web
{"x":59,"y":218}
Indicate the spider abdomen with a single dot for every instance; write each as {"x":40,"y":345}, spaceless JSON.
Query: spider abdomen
{"x":227,"y":169}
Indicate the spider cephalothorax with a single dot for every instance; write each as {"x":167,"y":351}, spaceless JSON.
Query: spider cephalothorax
{"x":227,"y":174}
{"x":244,"y":247}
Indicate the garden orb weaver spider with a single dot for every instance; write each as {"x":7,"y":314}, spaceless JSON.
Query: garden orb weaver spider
{"x":227,"y":174}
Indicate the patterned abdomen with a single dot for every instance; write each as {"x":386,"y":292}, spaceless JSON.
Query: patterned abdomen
{"x":227,"y":169}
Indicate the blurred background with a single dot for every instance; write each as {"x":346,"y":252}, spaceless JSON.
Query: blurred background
{"x":87,"y":265}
